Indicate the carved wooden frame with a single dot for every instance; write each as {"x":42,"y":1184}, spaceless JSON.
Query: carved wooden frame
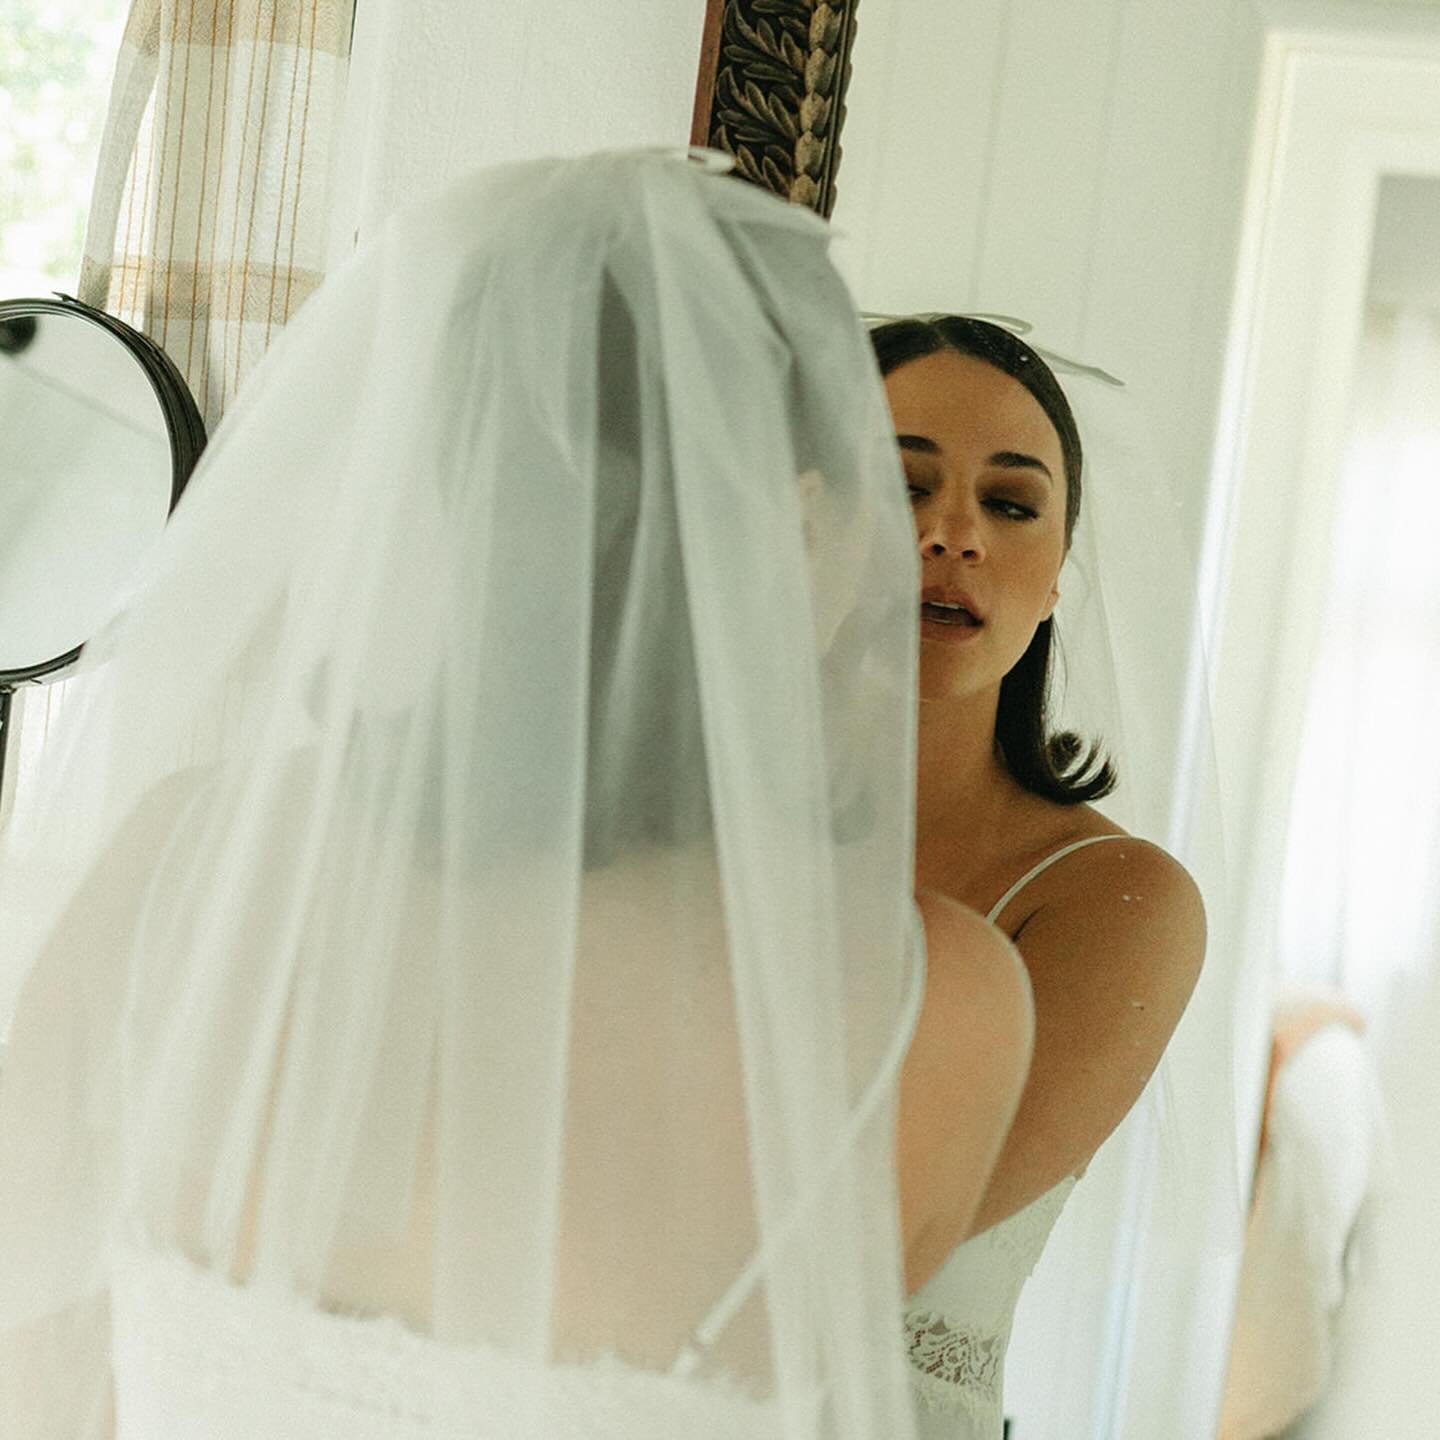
{"x":771,"y":92}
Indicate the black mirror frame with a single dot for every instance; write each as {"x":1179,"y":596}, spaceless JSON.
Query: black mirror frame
{"x":183,"y":424}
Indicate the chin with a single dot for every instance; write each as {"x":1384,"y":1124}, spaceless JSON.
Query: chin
{"x":949,"y":677}
{"x":940,"y":682}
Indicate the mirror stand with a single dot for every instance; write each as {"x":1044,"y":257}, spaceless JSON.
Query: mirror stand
{"x":7,"y":696}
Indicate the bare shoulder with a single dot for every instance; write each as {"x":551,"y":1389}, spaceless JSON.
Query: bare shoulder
{"x":1113,"y":938}
{"x":1126,"y":900}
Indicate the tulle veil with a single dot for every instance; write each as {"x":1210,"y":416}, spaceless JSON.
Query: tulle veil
{"x":477,"y":885}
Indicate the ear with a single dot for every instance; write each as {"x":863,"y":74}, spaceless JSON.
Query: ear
{"x":1052,"y":601}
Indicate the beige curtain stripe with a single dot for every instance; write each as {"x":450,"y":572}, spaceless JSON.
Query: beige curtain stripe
{"x":209,"y":222}
{"x":285,"y":171}
{"x":211,"y":68}
{"x":251,"y":21}
{"x":300,"y":163}
{"x":179,"y":131}
{"x":269,"y":53}
{"x":199,"y":292}
{"x":238,"y":214}
{"x":227,"y":70}
{"x":148,"y":211}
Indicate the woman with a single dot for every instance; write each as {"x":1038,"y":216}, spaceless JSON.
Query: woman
{"x":498,"y":1029}
{"x":1110,"y":928}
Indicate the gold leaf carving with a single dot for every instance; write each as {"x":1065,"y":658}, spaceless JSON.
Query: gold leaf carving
{"x":777,"y":103}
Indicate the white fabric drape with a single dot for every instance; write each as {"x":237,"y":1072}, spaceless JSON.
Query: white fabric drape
{"x":1115,"y":1334}
{"x":1386,"y":1382}
{"x":1315,"y":1193}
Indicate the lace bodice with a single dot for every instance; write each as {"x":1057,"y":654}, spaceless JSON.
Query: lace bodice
{"x":958,"y":1324}
{"x":196,"y":1358}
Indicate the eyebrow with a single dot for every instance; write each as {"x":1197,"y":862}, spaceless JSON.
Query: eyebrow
{"x":1001,"y":459}
{"x":921,"y":444}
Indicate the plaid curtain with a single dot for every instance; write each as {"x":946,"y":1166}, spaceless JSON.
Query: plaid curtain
{"x":209,"y":222}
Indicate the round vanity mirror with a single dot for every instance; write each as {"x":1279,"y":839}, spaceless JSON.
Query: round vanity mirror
{"x":98,"y":435}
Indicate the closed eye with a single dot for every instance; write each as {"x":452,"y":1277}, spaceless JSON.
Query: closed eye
{"x":1012,"y":509}
{"x":1005,"y":508}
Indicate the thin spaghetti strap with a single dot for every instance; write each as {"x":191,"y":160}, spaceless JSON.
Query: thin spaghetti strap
{"x":998,"y":908}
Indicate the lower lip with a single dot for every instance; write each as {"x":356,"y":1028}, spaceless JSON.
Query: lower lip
{"x":949,"y":633}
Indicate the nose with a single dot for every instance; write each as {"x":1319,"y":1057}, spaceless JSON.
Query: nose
{"x":952,"y":532}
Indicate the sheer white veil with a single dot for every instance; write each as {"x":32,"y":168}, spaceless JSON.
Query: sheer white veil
{"x":478,"y":886}
{"x":1141,"y":1265}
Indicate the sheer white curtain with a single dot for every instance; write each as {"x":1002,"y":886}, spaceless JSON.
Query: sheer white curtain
{"x":1361,"y":908}
{"x":209,"y":217}
{"x":1360,"y":903}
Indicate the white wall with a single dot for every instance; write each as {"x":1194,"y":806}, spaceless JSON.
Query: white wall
{"x":1405,"y":263}
{"x":1080,"y":165}
{"x":439,"y":87}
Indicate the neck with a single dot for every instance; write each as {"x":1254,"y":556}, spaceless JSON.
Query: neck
{"x":959,"y":772}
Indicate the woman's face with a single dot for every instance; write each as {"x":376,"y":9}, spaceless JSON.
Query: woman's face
{"x":986,"y":476}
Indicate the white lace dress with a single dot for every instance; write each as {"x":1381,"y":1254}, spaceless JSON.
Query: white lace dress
{"x":195,"y":1358}
{"x":957,"y":1325}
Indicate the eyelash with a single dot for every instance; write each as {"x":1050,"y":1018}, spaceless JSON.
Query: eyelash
{"x":1006,"y":509}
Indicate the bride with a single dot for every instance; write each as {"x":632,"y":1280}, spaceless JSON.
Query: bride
{"x":480,"y":956}
{"x":1111,"y":928}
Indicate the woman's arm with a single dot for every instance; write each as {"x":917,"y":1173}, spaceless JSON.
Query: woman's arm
{"x":1113,"y":943}
{"x":961,"y":1082}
